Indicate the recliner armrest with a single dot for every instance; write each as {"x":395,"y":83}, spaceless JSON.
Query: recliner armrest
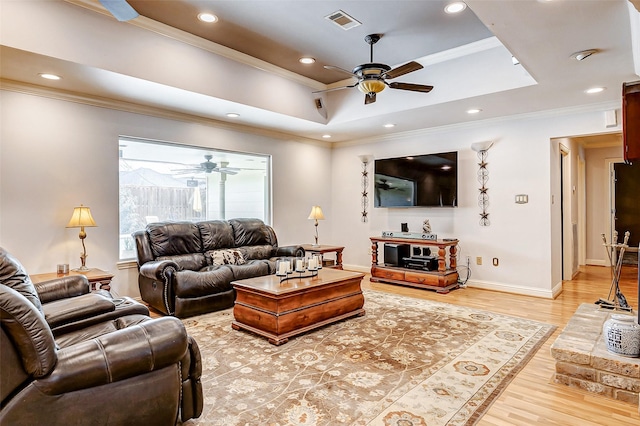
{"x":156,"y":270}
{"x":62,"y":288}
{"x":291,"y":251}
{"x":116,"y":356}
{"x":64,"y":311}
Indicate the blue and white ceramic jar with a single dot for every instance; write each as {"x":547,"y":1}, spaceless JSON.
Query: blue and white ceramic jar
{"x":622,"y":335}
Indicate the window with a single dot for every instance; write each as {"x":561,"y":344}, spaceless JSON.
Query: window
{"x":167,"y":182}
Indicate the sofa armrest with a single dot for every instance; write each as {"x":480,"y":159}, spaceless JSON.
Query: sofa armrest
{"x":117,"y":356}
{"x":62,"y":288}
{"x":157,"y":269}
{"x":290,"y":251}
{"x":64,"y":311}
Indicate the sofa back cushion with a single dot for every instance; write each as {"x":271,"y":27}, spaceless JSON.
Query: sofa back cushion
{"x":174,"y":238}
{"x":216,"y":234}
{"x":252,"y":232}
{"x":13,"y":275}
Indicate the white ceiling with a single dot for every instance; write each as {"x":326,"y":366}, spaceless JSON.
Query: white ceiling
{"x":251,"y":66}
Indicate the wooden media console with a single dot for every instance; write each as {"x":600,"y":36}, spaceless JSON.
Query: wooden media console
{"x":442,"y":280}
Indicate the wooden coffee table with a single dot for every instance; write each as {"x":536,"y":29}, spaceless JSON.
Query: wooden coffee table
{"x":279,"y":310}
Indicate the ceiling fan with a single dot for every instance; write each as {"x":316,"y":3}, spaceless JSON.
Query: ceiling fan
{"x":120,"y":9}
{"x":209,"y":166}
{"x":372,"y":77}
{"x":384,"y":185}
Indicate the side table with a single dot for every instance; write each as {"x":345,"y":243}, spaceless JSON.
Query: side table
{"x":322,"y":249}
{"x":97,"y":278}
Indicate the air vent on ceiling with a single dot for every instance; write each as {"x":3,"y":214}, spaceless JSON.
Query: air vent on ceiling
{"x":344,"y":21}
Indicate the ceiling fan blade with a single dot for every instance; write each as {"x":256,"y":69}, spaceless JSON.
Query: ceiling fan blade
{"x":120,"y":9}
{"x":369,"y":98}
{"x":412,"y":87}
{"x":331,"y":67}
{"x":336,"y":88}
{"x":403,"y":69}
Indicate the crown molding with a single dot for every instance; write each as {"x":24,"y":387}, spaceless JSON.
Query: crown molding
{"x":130,"y":107}
{"x":209,"y":46}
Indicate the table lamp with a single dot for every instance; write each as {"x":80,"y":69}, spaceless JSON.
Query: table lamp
{"x":316,"y":214}
{"x":80,"y":218}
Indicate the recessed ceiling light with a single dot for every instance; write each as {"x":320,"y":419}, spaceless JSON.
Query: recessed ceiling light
{"x":326,"y":136}
{"x":515,"y":60}
{"x":207,"y":17}
{"x":49,"y":76}
{"x":233,"y":115}
{"x":389,"y":125}
{"x":307,"y":60}
{"x":473,"y":111}
{"x":584,"y":54}
{"x":455,"y":7}
{"x":594,"y":90}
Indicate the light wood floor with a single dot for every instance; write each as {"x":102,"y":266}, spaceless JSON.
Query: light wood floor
{"x":532,"y":398}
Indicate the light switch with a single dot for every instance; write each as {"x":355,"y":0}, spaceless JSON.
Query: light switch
{"x":522,"y":199}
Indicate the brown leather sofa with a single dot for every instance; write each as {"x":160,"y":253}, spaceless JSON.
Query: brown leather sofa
{"x":186,"y":268}
{"x":116,"y":368}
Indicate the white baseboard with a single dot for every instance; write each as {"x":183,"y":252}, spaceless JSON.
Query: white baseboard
{"x":596,"y":262}
{"x":515,"y":289}
{"x":357,"y":268}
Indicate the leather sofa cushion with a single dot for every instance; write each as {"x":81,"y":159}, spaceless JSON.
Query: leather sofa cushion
{"x":251,"y":232}
{"x":169,"y":239}
{"x":191,"y":261}
{"x":216,"y":234}
{"x":253,"y":268}
{"x":99,"y":329}
{"x":30,"y":334}
{"x":13,"y":275}
{"x":88,"y":305}
{"x":210,"y":280}
{"x":256,"y":252}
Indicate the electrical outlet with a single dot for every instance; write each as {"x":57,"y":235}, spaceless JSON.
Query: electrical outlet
{"x":495,"y":261}
{"x":479,"y":260}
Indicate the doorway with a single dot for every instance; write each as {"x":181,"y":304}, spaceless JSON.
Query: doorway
{"x":625,"y":202}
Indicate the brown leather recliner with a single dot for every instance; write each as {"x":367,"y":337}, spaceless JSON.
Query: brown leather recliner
{"x":66,"y":302}
{"x":128,"y":369}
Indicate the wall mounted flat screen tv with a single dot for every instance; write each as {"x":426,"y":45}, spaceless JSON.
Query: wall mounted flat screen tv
{"x":429,"y":180}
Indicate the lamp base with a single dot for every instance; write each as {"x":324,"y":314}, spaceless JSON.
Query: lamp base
{"x":81,"y":269}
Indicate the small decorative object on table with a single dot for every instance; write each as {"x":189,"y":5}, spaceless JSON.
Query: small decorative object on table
{"x":622,"y":335}
{"x":426,"y":226}
{"x":287,"y":269}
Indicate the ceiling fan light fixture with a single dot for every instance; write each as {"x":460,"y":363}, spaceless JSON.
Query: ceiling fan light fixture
{"x":455,"y":7}
{"x":371,"y":86}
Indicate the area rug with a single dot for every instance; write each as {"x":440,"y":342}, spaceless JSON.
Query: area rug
{"x":407,"y":362}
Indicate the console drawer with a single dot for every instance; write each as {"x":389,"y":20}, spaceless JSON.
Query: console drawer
{"x":421,"y":278}
{"x":389,"y":274}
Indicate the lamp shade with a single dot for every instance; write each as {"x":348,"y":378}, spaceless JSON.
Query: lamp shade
{"x":81,"y":217}
{"x":316,"y":213}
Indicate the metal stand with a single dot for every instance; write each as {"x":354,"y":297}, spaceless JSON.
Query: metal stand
{"x":615,"y":300}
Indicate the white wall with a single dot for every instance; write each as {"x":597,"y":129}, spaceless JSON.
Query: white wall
{"x":55,"y":155}
{"x":524,"y":237}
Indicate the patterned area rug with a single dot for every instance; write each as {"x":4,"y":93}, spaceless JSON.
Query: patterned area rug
{"x":407,"y":362}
